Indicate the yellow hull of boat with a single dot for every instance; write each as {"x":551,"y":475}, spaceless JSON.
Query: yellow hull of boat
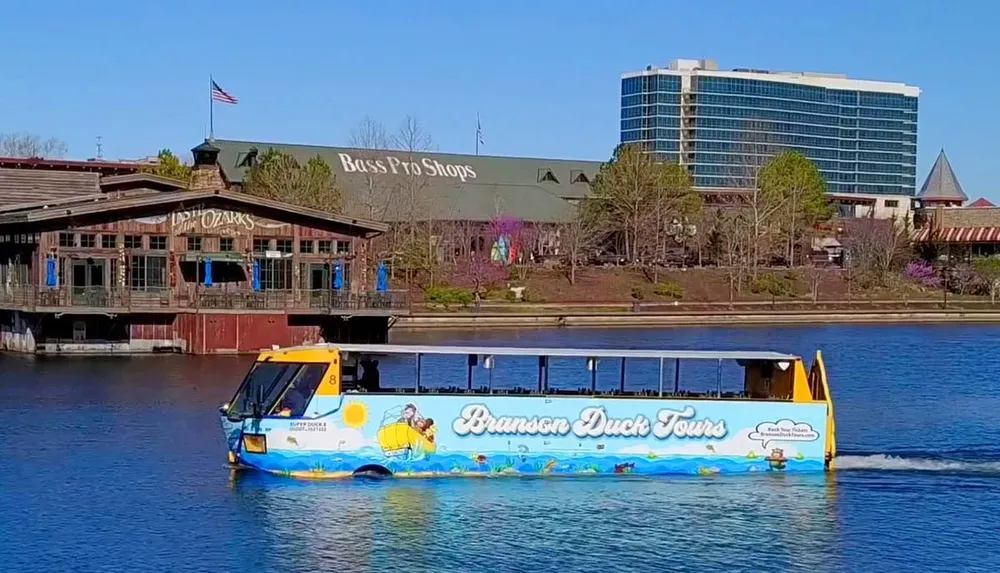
{"x":400,"y":436}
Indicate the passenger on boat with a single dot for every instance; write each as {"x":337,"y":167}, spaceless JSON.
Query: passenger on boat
{"x":370,"y":379}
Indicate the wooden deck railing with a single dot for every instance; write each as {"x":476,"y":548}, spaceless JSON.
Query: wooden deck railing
{"x":32,"y":298}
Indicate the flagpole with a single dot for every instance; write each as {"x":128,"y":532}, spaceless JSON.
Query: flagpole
{"x":479,"y":129}
{"x":211,"y":110}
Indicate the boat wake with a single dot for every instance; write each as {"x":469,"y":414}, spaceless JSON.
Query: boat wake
{"x":887,"y":462}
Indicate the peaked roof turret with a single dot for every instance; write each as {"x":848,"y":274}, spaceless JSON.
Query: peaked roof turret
{"x":941,"y":183}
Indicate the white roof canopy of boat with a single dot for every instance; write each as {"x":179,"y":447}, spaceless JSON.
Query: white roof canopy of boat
{"x":564,"y":352}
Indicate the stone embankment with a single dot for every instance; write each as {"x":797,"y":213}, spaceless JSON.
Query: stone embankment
{"x":697,"y":314}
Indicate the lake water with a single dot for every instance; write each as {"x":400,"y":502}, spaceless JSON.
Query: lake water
{"x":112,"y":464}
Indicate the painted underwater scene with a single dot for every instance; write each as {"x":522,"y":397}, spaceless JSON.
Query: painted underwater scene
{"x":336,"y":464}
{"x":450,"y":436}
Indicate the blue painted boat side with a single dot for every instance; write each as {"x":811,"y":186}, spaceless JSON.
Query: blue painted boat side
{"x":418,"y":435}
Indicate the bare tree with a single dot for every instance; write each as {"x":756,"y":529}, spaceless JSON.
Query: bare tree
{"x":412,"y":189}
{"x":762,"y":205}
{"x":31,"y":145}
{"x":412,"y":136}
{"x":698,"y":232}
{"x":814,"y":278}
{"x":374,"y":192}
{"x":369,"y":134}
{"x":412,"y":140}
{"x":737,"y":239}
{"x":875,"y":250}
{"x":579,"y":233}
{"x":988,"y":271}
{"x":465,"y":236}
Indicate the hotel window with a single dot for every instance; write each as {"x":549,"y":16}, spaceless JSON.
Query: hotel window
{"x":109,"y":241}
{"x":261,"y":245}
{"x":87,"y":240}
{"x":133,"y":241}
{"x":158,"y":243}
{"x":343,"y":247}
{"x":226,"y":245}
{"x":306,"y":247}
{"x":283,"y":245}
{"x":325,"y":246}
{"x":891,"y":203}
{"x":194,"y":243}
{"x":67,"y":240}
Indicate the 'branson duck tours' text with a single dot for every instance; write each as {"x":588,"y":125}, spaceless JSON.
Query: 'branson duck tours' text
{"x":593,"y":422}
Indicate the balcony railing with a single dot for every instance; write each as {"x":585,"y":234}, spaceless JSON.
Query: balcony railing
{"x":30,"y":298}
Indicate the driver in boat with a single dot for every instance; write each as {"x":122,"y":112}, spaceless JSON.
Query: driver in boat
{"x":293,"y":401}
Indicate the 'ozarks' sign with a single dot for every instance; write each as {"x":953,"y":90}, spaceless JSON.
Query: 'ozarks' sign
{"x":210,"y":220}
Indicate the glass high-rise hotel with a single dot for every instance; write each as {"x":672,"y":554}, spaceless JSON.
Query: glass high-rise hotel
{"x":862,"y":135}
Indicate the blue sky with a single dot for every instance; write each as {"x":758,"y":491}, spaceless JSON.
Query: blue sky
{"x":544,"y":74}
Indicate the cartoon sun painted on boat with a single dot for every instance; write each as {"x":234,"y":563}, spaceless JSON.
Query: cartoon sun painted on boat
{"x":354,"y":414}
{"x":405,"y":433}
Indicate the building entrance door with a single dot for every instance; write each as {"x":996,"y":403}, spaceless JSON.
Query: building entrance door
{"x":319,"y":283}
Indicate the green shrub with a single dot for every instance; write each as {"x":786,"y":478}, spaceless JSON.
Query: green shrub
{"x":772,"y":285}
{"x":669,"y":290}
{"x":638,"y":293}
{"x":450,"y":295}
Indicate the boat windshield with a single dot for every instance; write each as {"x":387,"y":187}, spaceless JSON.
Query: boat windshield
{"x":266,"y":382}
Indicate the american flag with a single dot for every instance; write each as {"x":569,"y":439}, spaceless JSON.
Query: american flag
{"x":219,"y":94}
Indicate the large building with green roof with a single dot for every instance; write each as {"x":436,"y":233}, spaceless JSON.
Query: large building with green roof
{"x":383,"y":184}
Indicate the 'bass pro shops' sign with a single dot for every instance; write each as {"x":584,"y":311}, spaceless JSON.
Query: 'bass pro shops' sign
{"x":392,"y":164}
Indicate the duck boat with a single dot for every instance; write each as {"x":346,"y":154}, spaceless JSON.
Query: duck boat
{"x":323,"y":411}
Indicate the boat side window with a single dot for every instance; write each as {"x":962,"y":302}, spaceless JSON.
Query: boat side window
{"x":360,"y":373}
{"x":766,"y":381}
{"x":349,"y":373}
{"x":300,"y":391}
{"x":706,"y":377}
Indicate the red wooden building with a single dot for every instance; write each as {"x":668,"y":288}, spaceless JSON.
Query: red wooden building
{"x":143,"y":266}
